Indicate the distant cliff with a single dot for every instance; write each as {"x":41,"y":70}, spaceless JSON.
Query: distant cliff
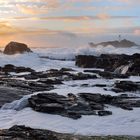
{"x":122,"y":43}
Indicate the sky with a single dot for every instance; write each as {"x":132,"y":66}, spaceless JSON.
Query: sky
{"x":55,"y":23}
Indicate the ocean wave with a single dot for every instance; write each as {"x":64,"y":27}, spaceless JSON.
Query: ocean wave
{"x":36,"y":60}
{"x":70,"y":53}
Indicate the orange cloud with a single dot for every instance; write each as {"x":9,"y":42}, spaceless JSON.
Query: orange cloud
{"x":77,"y":18}
{"x":103,"y":16}
{"x":37,"y":9}
{"x":31,"y":9}
{"x":137,"y":32}
{"x":6,"y":28}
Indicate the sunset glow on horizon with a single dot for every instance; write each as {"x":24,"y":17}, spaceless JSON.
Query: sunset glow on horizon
{"x":45,"y":22}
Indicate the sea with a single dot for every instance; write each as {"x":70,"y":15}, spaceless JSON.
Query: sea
{"x":122,"y":122}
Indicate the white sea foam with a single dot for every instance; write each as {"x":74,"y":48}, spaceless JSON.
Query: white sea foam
{"x":122,"y":122}
{"x":34,"y":61}
{"x":70,"y":53}
{"x":17,"y":104}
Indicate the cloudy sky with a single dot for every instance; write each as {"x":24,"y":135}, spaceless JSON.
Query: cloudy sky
{"x":43,"y":23}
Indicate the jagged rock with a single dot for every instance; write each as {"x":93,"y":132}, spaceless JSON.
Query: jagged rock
{"x":74,"y":107}
{"x":35,"y":75}
{"x":100,"y":85}
{"x":26,"y":85}
{"x":119,"y":64}
{"x":82,"y":76}
{"x":104,"y":113}
{"x":30,"y":77}
{"x":15,"y":47}
{"x":23,"y":69}
{"x":12,"y":68}
{"x":65,"y":75}
{"x":50,"y":81}
{"x":111,"y":75}
{"x":98,"y":98}
{"x":26,"y":133}
{"x":124,"y":86}
{"x":105,"y":61}
{"x":53,"y":103}
{"x":66,"y":69}
{"x":57,"y":73}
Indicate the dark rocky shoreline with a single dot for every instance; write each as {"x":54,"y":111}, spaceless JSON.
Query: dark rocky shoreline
{"x":47,"y":80}
{"x":27,"y":133}
{"x":112,"y":63}
{"x":14,"y":87}
{"x":74,"y":107}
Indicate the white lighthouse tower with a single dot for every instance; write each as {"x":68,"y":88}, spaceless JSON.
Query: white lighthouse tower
{"x":120,"y":38}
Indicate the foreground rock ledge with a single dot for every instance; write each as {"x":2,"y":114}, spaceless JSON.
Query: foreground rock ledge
{"x":74,"y":107}
{"x":27,"y":133}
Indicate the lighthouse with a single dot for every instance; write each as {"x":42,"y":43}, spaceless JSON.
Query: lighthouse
{"x":120,"y":38}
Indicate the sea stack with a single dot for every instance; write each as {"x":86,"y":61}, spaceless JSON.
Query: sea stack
{"x":15,"y":48}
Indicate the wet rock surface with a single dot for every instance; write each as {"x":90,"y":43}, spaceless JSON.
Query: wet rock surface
{"x":15,"y":86}
{"x":58,"y":75}
{"x":34,"y":81}
{"x":119,"y":64}
{"x":32,"y":86}
{"x":27,"y":133}
{"x":124,"y":86}
{"x":108,"y":74}
{"x":73,"y":106}
{"x":11,"y":68}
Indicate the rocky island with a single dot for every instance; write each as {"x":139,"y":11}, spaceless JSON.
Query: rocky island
{"x":122,"y":43}
{"x":16,"y":47}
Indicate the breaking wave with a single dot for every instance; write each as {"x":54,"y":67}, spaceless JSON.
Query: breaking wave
{"x":53,"y":55}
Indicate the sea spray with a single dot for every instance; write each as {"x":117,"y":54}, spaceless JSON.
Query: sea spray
{"x":123,"y":69}
{"x":17,"y":104}
{"x":34,"y":61}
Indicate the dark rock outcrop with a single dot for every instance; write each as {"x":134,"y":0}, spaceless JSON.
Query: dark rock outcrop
{"x":27,"y":133}
{"x":50,"y":81}
{"x":119,"y":64}
{"x":15,"y":47}
{"x":107,"y":74}
{"x":73,"y":106}
{"x":60,"y":74}
{"x":104,"y":113}
{"x":32,"y":86}
{"x":124,"y":86}
{"x":122,"y":43}
{"x":57,"y":104}
{"x":12,"y":68}
{"x":105,"y":61}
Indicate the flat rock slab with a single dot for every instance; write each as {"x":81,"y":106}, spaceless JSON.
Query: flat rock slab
{"x":74,"y":107}
{"x":32,"y":86}
{"x":8,"y":94}
{"x":27,"y":133}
